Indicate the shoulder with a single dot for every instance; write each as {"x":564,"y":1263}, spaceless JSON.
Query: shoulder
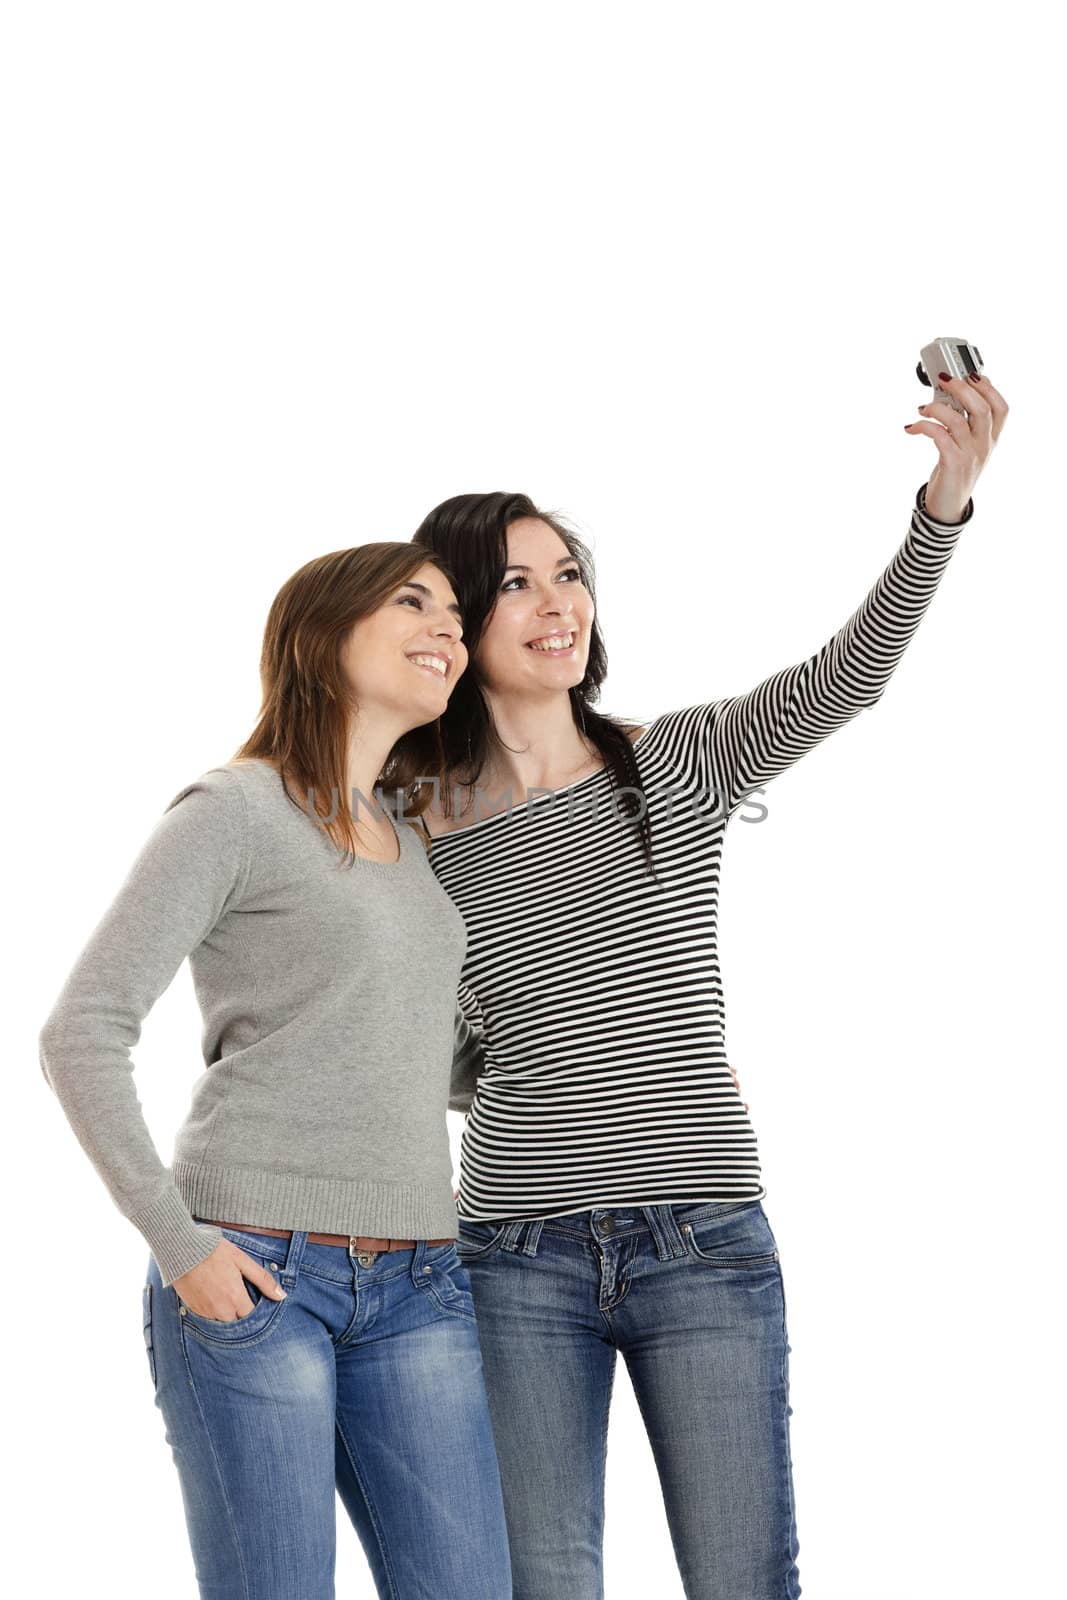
{"x":678,"y":736}
{"x":251,"y":772}
{"x":221,"y":792}
{"x":632,"y":730}
{"x":682,"y":722}
{"x":216,"y":783}
{"x":200,"y":835}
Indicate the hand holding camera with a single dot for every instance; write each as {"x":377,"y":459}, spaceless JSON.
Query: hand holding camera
{"x":965,"y":424}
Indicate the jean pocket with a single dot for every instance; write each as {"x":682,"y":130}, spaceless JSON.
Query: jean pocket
{"x":146,"y":1311}
{"x":265,"y":1308}
{"x":478,"y":1239}
{"x":449,"y":1283}
{"x":254,"y":1324}
{"x":739,"y":1238}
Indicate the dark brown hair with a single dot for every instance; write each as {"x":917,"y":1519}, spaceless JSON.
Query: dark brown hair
{"x":307,"y":701}
{"x":469,"y":534}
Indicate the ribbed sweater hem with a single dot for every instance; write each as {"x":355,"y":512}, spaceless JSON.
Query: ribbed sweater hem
{"x":275,"y":1199}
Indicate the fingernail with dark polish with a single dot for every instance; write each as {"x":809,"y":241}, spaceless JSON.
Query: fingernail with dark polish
{"x":973,"y":377}
{"x":944,"y":377}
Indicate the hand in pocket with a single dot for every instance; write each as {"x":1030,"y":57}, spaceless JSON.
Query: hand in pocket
{"x":215,"y":1287}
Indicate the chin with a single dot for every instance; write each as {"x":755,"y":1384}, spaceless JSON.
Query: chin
{"x":428,"y":706}
{"x":435,"y":703}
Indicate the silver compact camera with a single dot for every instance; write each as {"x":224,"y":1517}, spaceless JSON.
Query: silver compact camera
{"x":958,"y":357}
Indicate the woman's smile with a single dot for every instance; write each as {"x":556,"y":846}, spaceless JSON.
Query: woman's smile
{"x":432,"y":661}
{"x":563,"y":642}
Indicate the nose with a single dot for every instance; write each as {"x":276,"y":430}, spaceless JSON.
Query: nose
{"x":554,"y":604}
{"x":448,"y":623}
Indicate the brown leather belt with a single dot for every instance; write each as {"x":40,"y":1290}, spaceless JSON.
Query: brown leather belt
{"x":358,"y":1243}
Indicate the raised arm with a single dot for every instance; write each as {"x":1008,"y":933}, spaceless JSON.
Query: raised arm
{"x":734,"y":746}
{"x":738,"y":744}
{"x":178,"y":888}
{"x":752,"y":738}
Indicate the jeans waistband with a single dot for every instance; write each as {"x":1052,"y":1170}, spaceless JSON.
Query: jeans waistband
{"x":605,"y":1223}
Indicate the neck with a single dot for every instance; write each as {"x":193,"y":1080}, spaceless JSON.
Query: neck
{"x":540,"y":745}
{"x":369,"y":745}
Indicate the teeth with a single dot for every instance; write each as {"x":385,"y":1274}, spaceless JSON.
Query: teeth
{"x":431,"y":661}
{"x":561,"y":642}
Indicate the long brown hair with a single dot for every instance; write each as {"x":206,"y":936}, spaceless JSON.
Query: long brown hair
{"x":307,"y":701}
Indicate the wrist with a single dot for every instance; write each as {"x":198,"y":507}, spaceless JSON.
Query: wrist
{"x":944,"y":516}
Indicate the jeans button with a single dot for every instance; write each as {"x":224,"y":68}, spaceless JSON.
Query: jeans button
{"x":607,"y":1224}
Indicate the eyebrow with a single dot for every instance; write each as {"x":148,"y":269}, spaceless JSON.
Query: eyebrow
{"x":514,"y":566}
{"x":421,"y":587}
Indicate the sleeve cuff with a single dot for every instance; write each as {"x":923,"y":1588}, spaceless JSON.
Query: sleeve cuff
{"x":931,"y":522}
{"x":178,"y":1243}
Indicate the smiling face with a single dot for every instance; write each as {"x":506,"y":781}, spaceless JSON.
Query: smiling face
{"x":405,"y":658}
{"x":536,"y":640}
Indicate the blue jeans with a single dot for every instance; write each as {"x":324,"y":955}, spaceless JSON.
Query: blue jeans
{"x":692,"y":1296}
{"x":363,"y":1381}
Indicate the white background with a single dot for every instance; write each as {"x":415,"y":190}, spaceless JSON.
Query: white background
{"x":281,"y":278}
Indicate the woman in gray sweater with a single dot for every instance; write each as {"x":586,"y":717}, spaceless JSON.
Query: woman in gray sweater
{"x":309,"y":1328}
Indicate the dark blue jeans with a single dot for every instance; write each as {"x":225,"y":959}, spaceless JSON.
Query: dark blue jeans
{"x":692,"y":1296}
{"x":363,"y":1381}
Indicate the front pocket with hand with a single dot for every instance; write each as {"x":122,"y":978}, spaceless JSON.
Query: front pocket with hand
{"x":263,"y":1314}
{"x":265,"y":1308}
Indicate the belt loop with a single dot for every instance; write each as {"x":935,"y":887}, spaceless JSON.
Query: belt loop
{"x":416,"y":1261}
{"x":533,"y":1234}
{"x":512,"y":1232}
{"x":293,"y":1257}
{"x":665,"y":1231}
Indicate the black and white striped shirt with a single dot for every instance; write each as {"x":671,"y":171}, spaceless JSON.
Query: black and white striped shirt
{"x":605,"y":1079}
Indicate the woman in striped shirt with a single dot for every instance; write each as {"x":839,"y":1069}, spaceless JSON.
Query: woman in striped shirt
{"x":610,"y":1194}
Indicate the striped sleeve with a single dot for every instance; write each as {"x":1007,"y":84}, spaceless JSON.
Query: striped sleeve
{"x":735,"y":745}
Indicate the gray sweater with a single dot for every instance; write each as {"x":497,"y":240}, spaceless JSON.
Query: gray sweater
{"x":330,"y":1027}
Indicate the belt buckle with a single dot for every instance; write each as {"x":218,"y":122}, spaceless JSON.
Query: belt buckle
{"x":366,"y":1258}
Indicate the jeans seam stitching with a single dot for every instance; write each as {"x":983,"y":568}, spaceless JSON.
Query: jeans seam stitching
{"x":372,"y":1512}
{"x":218,"y":1467}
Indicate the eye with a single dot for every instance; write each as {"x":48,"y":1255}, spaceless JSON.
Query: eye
{"x":416,"y":600}
{"x":567,"y":572}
